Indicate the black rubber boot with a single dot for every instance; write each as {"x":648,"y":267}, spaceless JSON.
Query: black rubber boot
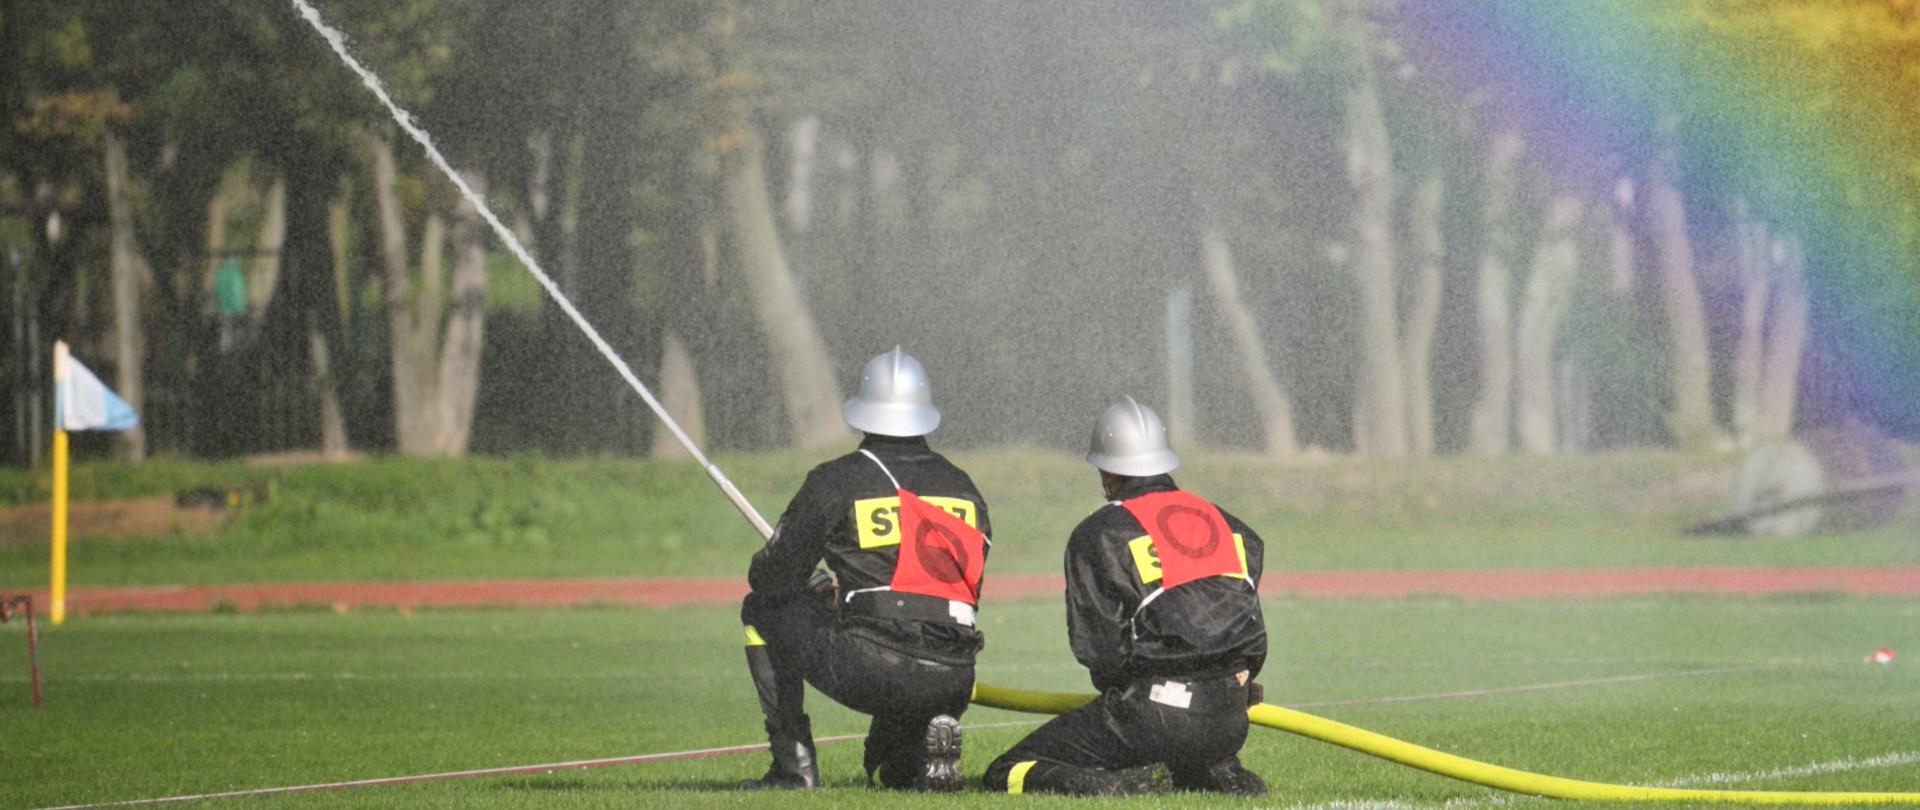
{"x":794,"y":766}
{"x":1053,"y":777}
{"x":789,"y":732}
{"x":1227,"y":776}
{"x":943,"y":773}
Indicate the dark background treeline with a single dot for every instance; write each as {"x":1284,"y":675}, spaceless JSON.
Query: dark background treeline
{"x":1272,"y":219}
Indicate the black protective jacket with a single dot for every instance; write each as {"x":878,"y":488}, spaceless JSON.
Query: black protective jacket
{"x":1208,"y":625}
{"x":825,"y":521}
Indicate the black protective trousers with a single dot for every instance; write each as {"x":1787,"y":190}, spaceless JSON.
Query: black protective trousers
{"x":806,"y":644}
{"x":1126,"y":727}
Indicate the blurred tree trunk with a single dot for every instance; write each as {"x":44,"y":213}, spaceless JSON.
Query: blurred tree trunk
{"x":311,"y":303}
{"x":686,"y":333}
{"x":803,"y":144}
{"x":809,"y":389}
{"x":602,"y":411}
{"x":546,"y":204}
{"x":127,"y":267}
{"x":333,"y":420}
{"x":1492,"y":409}
{"x":680,"y":395}
{"x":329,"y":328}
{"x":554,"y":202}
{"x":586,"y":220}
{"x":196,"y":374}
{"x":215,"y":246}
{"x":179,"y":192}
{"x":539,"y":190}
{"x":1550,"y":280}
{"x":264,"y":273}
{"x":811,"y":392}
{"x":1615,"y":219}
{"x":1424,"y":273}
{"x":1751,"y":270}
{"x":459,"y":372}
{"x":404,"y":299}
{"x":1380,"y":424}
{"x":550,"y":202}
{"x":1773,"y":330}
{"x":435,"y":374}
{"x":1180,"y":401}
{"x":1690,"y":420}
{"x":1270,"y":398}
{"x":219,"y":205}
{"x":1785,"y":344}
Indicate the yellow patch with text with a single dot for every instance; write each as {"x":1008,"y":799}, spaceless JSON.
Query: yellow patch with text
{"x":1148,"y":563}
{"x":877,"y":520}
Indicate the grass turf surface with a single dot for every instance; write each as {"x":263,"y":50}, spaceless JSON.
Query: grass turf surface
{"x":149,"y":706}
{"x":525,"y":517}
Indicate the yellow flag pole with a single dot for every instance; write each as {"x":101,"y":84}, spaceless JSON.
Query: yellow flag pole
{"x":58,"y":611}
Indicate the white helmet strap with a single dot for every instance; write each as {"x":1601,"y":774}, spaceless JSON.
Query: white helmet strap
{"x":882,"y":466}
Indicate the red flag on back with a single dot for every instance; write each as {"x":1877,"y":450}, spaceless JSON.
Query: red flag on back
{"x":940,"y":555}
{"x":1190,"y":536}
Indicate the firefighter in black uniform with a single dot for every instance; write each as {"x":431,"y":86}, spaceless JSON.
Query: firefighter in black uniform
{"x":905,"y":533}
{"x":1163,"y":608}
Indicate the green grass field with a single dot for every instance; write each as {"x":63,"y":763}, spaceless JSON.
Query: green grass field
{"x":402,"y":519}
{"x":1752,"y":693}
{"x":1749,"y":693}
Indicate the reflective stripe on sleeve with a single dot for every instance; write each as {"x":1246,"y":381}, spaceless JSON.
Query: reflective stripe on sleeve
{"x":754,"y":639}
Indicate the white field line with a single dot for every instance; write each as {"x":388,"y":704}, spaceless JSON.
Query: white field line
{"x":698,"y":753}
{"x":752,"y":747}
{"x":1844,"y":765}
{"x":1538,"y":687}
{"x":1893,"y":760}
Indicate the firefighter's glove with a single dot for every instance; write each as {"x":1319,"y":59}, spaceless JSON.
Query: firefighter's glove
{"x":823,"y":587}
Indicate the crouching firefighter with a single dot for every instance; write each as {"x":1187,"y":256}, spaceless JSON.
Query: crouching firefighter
{"x":1163,"y":608}
{"x":904,"y":532}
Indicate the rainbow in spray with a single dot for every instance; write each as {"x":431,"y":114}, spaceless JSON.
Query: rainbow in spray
{"x":1810,"y":109}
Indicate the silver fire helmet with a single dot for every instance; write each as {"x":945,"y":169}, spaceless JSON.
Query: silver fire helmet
{"x":1129,"y":439}
{"x":894,"y":399}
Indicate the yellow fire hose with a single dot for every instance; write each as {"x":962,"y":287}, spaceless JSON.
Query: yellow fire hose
{"x":1448,"y":765}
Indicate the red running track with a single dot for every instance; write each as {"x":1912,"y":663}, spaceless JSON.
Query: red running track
{"x":1489,"y":585}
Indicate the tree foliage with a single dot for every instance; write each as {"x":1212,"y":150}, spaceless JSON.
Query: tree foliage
{"x":1014,"y":191}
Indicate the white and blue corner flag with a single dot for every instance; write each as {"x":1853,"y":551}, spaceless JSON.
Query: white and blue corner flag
{"x":87,"y":404}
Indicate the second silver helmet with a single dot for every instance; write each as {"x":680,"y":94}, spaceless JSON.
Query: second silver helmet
{"x":894,"y":399}
{"x":1129,"y":439}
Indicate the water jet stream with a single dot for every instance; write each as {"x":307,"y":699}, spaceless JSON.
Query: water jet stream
{"x":338,"y":41}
